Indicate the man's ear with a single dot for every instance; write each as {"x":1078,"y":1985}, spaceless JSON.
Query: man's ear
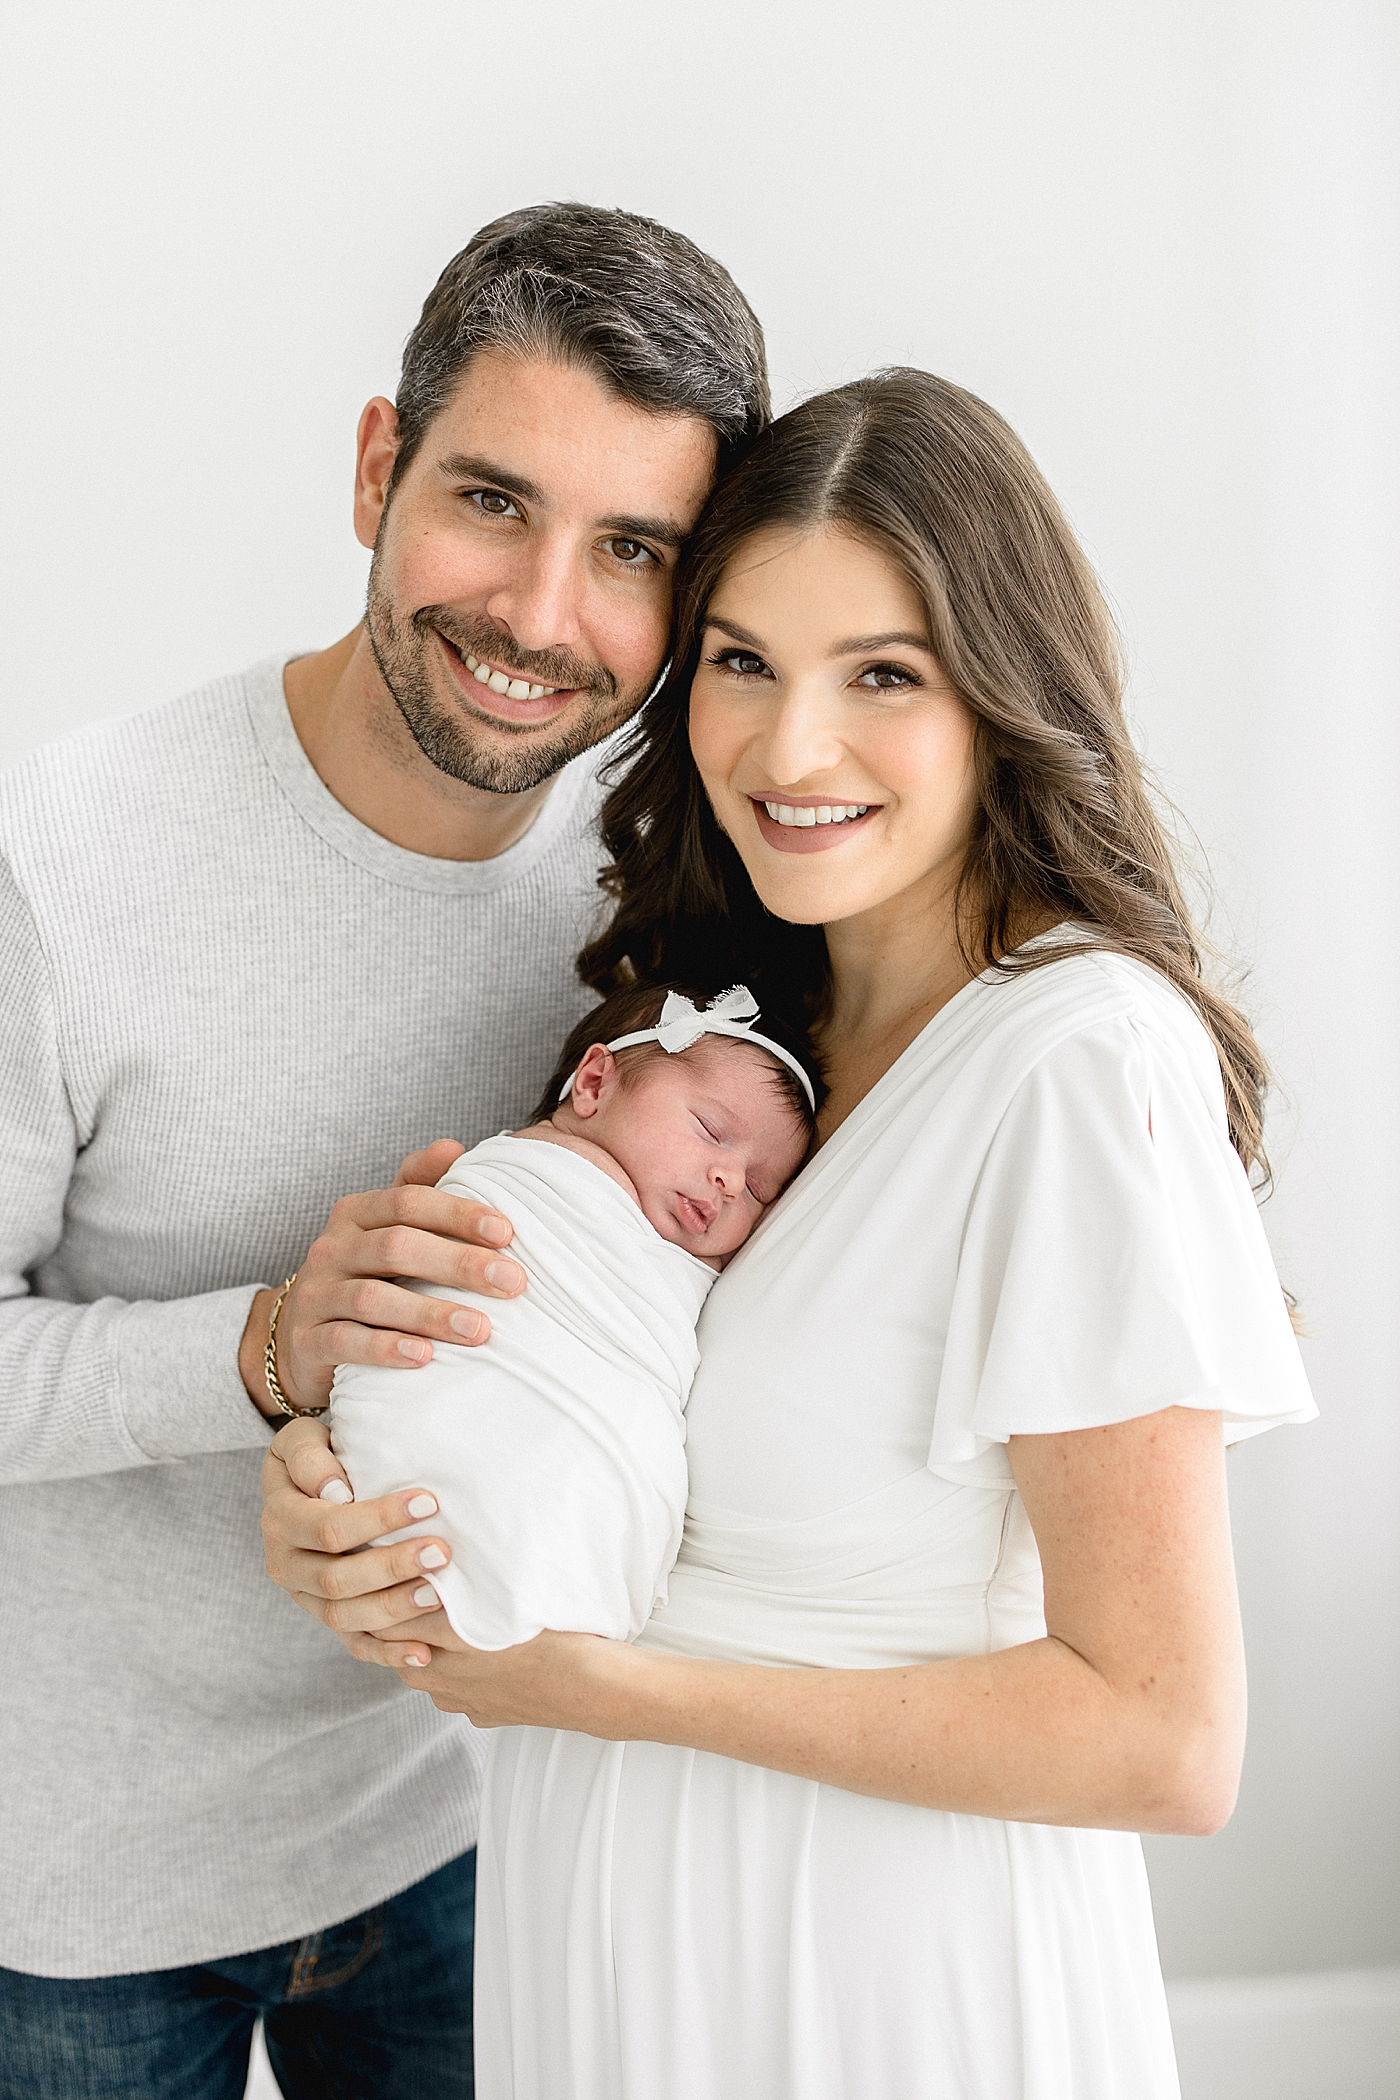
{"x":376,"y":449}
{"x":594,"y":1081}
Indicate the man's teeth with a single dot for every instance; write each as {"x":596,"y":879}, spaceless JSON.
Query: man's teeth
{"x":514,"y":688}
{"x":824,"y":813}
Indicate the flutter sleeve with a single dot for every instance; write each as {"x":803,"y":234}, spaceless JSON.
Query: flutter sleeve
{"x":1113,"y":1260}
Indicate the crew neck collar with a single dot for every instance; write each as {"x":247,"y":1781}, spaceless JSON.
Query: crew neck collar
{"x":317,"y":806}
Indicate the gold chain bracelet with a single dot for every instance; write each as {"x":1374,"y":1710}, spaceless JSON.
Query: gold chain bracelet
{"x":274,"y":1388}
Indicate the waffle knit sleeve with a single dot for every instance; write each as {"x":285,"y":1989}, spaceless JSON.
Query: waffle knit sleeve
{"x":96,"y":1388}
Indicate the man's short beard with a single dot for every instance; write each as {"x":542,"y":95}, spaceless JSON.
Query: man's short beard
{"x":447,"y":735}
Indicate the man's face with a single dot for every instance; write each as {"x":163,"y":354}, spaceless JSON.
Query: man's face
{"x":520,"y":592}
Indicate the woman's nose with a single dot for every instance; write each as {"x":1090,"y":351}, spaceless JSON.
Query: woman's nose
{"x":801,"y":741}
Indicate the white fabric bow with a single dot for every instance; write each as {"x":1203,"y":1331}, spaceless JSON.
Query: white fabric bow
{"x":682,"y":1023}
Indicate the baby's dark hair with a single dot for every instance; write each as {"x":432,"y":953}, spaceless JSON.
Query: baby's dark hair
{"x":639,"y":1006}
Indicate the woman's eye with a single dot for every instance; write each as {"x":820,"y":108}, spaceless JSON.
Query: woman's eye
{"x":742,"y":663}
{"x":887,"y":678}
{"x":631,"y":553}
{"x":494,"y":503}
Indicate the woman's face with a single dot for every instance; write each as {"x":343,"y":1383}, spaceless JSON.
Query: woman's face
{"x":836,"y":755}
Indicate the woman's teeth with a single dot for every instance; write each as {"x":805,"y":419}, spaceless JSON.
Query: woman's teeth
{"x":824,"y":813}
{"x":513,"y":688}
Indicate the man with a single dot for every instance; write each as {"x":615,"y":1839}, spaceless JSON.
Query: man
{"x":256,"y":944}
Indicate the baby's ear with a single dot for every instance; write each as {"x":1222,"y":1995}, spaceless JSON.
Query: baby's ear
{"x":594,"y":1080}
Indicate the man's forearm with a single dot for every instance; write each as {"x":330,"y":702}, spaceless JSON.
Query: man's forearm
{"x":103,"y":1388}
{"x":252,"y":1356}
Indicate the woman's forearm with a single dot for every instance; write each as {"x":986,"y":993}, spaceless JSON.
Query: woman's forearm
{"x":1129,"y":1715}
{"x":1031,"y":1734}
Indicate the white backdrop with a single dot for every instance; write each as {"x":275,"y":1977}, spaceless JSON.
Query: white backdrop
{"x":1161,"y":238}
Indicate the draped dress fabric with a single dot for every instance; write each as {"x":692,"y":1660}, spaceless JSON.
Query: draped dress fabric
{"x":1034,"y":1223}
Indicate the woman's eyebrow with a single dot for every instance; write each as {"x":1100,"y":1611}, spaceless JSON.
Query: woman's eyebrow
{"x":850,"y":645}
{"x":860,"y":644}
{"x":733,"y":630}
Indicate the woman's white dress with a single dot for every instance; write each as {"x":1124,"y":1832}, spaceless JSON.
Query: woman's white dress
{"x":1035,"y":1222}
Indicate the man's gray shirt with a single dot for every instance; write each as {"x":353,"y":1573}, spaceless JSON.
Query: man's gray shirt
{"x":225,"y":1004}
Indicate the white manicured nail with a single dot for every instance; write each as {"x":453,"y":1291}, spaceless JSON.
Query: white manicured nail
{"x":425,"y":1595}
{"x":423,"y":1506}
{"x":415,"y":1662}
{"x":336,"y":1491}
{"x":432,"y":1557}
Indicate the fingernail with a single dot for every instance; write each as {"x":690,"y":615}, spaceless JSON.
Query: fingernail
{"x":336,"y":1491}
{"x":467,"y":1324}
{"x":504,"y":1275}
{"x":425,"y":1595}
{"x":415,"y":1662}
{"x":423,"y":1506}
{"x":416,"y":1352}
{"x":432,"y":1557}
{"x":494,"y":1230}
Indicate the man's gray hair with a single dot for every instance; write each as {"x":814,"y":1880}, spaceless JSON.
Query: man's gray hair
{"x":659,"y":321}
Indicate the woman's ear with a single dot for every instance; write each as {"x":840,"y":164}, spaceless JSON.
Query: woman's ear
{"x":593,"y":1081}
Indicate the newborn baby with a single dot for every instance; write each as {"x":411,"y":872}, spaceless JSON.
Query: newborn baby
{"x":556,"y":1450}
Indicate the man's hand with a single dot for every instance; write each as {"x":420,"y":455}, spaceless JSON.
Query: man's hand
{"x":343,"y":1309}
{"x":313,"y":1530}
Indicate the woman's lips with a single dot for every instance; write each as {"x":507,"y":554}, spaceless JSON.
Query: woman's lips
{"x":509,"y":707}
{"x":807,"y":838}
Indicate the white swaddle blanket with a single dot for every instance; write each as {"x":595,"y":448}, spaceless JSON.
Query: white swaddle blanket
{"x":556,"y":1449}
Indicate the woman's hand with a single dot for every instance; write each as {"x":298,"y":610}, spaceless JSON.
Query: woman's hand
{"x":343,"y":1309}
{"x":312,"y":1528}
{"x":557,"y":1680}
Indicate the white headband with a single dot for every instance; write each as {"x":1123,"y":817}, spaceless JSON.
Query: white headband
{"x":682,"y":1023}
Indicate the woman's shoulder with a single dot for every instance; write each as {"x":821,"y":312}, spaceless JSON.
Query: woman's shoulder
{"x":1070,"y":1031}
{"x":1095,"y":991}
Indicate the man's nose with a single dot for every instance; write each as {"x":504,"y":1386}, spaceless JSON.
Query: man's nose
{"x":540,"y":599}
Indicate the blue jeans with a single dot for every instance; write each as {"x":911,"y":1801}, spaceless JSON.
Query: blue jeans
{"x":379,"y":2008}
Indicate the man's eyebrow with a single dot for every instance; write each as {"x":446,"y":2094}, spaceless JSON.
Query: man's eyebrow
{"x":470,"y":466}
{"x":666,"y":530}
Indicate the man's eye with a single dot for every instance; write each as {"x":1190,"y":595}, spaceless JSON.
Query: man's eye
{"x":631,"y":553}
{"x":887,"y":678}
{"x":493,"y":502}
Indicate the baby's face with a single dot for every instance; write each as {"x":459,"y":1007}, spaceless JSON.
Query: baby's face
{"x":705,"y":1137}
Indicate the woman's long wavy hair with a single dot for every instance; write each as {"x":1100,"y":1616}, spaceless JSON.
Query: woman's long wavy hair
{"x":1066,"y":829}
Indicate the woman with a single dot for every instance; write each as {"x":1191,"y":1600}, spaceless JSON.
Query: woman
{"x":854,"y":1817}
